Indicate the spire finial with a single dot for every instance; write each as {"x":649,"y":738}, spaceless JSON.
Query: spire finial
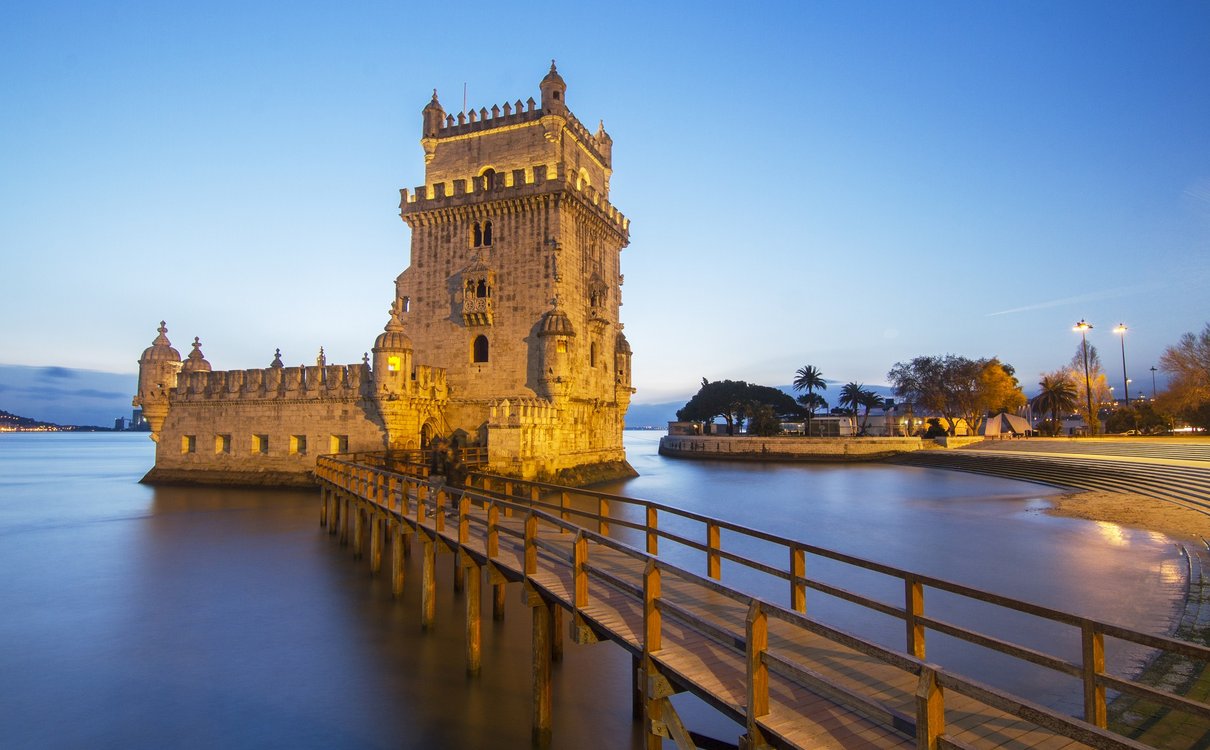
{"x":552,"y":65}
{"x":277,"y":359}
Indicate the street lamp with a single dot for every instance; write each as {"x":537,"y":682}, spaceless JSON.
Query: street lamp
{"x":1153,"y":381}
{"x":1084,"y":327}
{"x":1121,"y":329}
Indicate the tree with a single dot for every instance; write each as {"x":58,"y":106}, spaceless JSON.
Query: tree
{"x":809,"y":378}
{"x":1188,"y":366}
{"x":869,"y":400}
{"x":958,"y":387}
{"x":1058,"y":395}
{"x":1095,"y":379}
{"x":811,"y":402}
{"x":762,"y":421}
{"x":851,"y":395}
{"x":733,"y":400}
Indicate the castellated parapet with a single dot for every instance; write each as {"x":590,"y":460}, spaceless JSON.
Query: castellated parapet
{"x":504,"y":330}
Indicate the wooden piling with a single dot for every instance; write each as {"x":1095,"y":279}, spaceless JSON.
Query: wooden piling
{"x":428,"y":585}
{"x":376,"y":523}
{"x":542,"y":632}
{"x":398,"y":570}
{"x":474,"y":595}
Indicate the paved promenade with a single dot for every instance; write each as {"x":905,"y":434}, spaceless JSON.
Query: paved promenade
{"x":1173,"y":470}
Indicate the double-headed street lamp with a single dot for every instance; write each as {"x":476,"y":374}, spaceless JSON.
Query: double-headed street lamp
{"x":1083,"y":327}
{"x":1121,"y":330}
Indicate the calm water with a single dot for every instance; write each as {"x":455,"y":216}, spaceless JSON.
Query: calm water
{"x":171,"y":617}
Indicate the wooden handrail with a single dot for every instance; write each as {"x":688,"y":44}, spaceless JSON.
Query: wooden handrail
{"x":376,"y":486}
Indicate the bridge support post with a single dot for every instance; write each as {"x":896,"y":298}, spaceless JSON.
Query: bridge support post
{"x":474,"y":595}
{"x":358,"y":531}
{"x":323,"y":507}
{"x":542,"y":632}
{"x":376,"y":533}
{"x":498,"y":592}
{"x":397,"y":556}
{"x":428,"y":585}
{"x":1093,"y":652}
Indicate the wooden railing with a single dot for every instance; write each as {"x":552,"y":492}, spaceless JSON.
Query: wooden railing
{"x":556,"y":506}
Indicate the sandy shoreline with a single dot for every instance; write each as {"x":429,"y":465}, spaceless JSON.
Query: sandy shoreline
{"x":1128,"y":509}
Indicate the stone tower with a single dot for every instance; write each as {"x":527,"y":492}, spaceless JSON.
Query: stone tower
{"x":514,"y":283}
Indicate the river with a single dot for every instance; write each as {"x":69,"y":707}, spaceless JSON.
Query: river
{"x":141,"y":617}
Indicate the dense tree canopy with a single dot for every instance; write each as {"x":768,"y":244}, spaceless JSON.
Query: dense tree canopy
{"x":1188,"y":365}
{"x":958,"y":387}
{"x":734,"y":401}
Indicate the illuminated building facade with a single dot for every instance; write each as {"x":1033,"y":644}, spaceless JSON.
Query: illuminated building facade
{"x":511,"y":298}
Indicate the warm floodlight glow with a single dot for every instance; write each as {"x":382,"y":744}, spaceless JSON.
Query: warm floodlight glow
{"x":1121,"y":328}
{"x":1082,"y":326}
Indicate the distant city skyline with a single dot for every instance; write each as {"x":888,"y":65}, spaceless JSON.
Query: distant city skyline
{"x":843,"y":185}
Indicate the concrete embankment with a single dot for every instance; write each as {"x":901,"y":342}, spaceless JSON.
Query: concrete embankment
{"x":752,"y":448}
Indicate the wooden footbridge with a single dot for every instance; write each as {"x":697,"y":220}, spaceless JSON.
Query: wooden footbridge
{"x":787,"y":678}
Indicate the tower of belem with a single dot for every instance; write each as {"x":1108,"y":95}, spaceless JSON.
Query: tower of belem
{"x":511,"y":300}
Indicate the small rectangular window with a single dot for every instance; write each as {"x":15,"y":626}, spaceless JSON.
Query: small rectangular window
{"x":339,"y":444}
{"x":298,"y":445}
{"x":188,"y":443}
{"x":222,"y":444}
{"x":260,"y":444}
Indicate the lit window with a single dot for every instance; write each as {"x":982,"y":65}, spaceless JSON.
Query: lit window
{"x":222,"y":444}
{"x":392,"y":364}
{"x":339,"y":444}
{"x":188,"y":443}
{"x":298,"y":445}
{"x":260,"y":445}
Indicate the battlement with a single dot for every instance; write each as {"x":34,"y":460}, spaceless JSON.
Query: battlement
{"x":476,"y":122}
{"x":519,"y":183}
{"x":518,"y":412}
{"x":329,"y":381}
{"x":512,"y":115}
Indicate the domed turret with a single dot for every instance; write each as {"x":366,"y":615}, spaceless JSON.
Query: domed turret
{"x":554,"y":92}
{"x":434,"y":116}
{"x":556,"y":323}
{"x":158,"y":369}
{"x":196,"y":361}
{"x":161,"y":349}
{"x":392,"y":371}
{"x":557,"y":335}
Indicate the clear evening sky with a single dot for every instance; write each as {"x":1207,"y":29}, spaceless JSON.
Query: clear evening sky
{"x":838,"y":184}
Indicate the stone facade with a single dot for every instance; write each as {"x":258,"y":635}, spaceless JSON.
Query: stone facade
{"x":511,"y":297}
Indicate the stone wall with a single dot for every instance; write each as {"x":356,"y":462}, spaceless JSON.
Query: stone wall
{"x":751,"y":448}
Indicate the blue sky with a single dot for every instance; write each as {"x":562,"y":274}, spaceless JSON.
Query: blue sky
{"x":841,"y":184}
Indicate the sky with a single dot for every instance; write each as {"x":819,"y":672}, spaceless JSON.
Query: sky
{"x":842,"y":184}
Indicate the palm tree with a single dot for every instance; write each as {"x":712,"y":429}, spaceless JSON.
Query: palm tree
{"x":851,"y":395}
{"x":869,"y":400}
{"x":1058,"y":395}
{"x":811,"y":402}
{"x":808,"y":378}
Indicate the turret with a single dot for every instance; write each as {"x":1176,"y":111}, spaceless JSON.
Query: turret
{"x":196,"y":362}
{"x":158,"y":369}
{"x":557,"y":336}
{"x":434,"y":117}
{"x":392,"y":371}
{"x":554,"y":92}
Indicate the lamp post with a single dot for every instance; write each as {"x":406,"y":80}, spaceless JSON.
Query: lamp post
{"x":1153,"y":381}
{"x":1084,"y":327}
{"x":1121,"y":330}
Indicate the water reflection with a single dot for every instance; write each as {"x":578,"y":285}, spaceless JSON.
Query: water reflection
{"x":186,"y":617}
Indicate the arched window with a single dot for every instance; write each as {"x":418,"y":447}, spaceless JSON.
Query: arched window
{"x":487,"y":233}
{"x":479,"y":349}
{"x":477,"y":235}
{"x":489,"y":178}
{"x":592,"y":355}
{"x":481,"y":289}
